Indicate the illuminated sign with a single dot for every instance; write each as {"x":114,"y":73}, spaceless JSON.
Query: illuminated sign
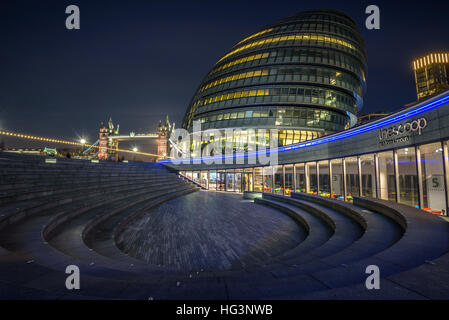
{"x":401,"y":132}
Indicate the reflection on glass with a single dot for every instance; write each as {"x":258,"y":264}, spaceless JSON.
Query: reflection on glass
{"x":278,"y":180}
{"x":196,"y":177}
{"x":258,"y":180}
{"x":247,"y":180}
{"x":434,"y":192}
{"x":408,"y":182}
{"x":368,"y":172}
{"x":213,"y":180}
{"x":204,"y":179}
{"x":238,"y":182}
{"x":337,"y":191}
{"x":300,"y":178}
{"x":288,"y":179}
{"x":387,"y":185}
{"x":324,"y":180}
{"x":230,"y":178}
{"x":352,"y":177}
{"x":312,"y":178}
{"x":221,"y":180}
{"x":268,"y":179}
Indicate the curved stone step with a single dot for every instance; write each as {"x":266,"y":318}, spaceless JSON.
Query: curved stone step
{"x":13,"y":212}
{"x":319,"y":231}
{"x":72,"y":233}
{"x":381,"y":233}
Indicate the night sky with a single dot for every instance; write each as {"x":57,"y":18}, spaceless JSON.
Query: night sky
{"x":136,"y":61}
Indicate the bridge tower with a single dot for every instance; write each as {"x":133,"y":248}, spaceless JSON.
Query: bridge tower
{"x":164,"y":130}
{"x":108,"y":147}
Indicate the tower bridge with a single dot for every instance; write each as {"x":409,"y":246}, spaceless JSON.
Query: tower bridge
{"x":109,"y":138}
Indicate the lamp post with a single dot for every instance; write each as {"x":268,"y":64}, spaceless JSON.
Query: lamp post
{"x":83,"y":142}
{"x":134,"y":156}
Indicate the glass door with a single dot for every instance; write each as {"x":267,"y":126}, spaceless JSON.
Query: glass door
{"x":238,"y":182}
{"x":230,"y":181}
{"x":248,"y":181}
{"x":221,"y":181}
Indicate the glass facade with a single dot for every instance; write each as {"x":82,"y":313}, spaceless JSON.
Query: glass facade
{"x":289,"y":179}
{"x":247,"y":180}
{"x":408,"y":177}
{"x":304,"y":75}
{"x":268,"y":179}
{"x":415,"y":176}
{"x":368,"y":173}
{"x":300,"y":177}
{"x":387,"y":181}
{"x":431,"y":74}
{"x":352,"y":177}
{"x":258,"y":179}
{"x":338,"y":179}
{"x":324,"y":178}
{"x":311,"y":178}
{"x":278,"y":180}
{"x":433,"y":184}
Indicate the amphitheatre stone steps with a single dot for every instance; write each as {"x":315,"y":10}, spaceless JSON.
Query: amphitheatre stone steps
{"x":47,"y":183}
{"x":30,"y":234}
{"x":56,"y":177}
{"x":346,"y":232}
{"x":14,"y":211}
{"x":70,"y":237}
{"x":48,"y":224}
{"x":379,"y":235}
{"x":67,"y":189}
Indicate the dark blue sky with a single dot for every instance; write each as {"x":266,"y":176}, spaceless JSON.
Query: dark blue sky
{"x":139,"y":60}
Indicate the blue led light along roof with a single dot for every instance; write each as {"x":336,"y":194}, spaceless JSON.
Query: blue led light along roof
{"x":400,"y":116}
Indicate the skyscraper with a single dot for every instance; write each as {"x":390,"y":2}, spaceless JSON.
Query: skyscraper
{"x":431,"y":74}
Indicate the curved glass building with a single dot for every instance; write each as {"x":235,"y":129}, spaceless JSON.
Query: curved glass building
{"x":304,"y":75}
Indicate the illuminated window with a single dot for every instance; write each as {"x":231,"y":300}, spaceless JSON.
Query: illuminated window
{"x":235,"y":77}
{"x":306,"y":37}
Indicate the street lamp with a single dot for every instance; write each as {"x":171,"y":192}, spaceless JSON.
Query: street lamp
{"x":134,"y":155}
{"x":83,"y":142}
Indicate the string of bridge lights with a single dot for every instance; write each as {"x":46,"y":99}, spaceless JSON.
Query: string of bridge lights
{"x":82,"y":142}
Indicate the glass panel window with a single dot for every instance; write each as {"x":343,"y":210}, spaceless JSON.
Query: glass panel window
{"x":221,"y":181}
{"x":337,"y":191}
{"x":408,"y":178}
{"x":368,"y":168}
{"x":196,"y":176}
{"x":247,"y":180}
{"x":434,"y":197}
{"x":238,"y":181}
{"x":288,"y":179}
{"x":300,"y":178}
{"x":230,"y":177}
{"x":387,"y":185}
{"x":278,"y":180}
{"x":324,"y":180}
{"x":268,"y":179}
{"x":312,"y":178}
{"x":213,"y":180}
{"x":352,"y":177}
{"x":258,"y":180}
{"x":204,"y":179}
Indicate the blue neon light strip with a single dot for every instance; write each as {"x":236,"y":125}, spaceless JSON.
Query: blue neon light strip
{"x":338,"y":136}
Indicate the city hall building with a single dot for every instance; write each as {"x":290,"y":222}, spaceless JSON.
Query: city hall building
{"x":305,"y":76}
